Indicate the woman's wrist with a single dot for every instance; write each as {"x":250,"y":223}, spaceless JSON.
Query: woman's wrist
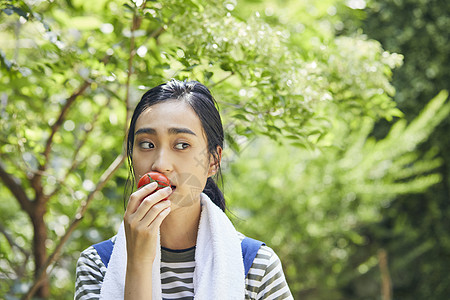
{"x":138,"y":282}
{"x":140,"y":268}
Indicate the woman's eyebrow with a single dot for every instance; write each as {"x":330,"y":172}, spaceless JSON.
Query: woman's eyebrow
{"x":172,"y":130}
{"x":177,"y":130}
{"x":146,"y":130}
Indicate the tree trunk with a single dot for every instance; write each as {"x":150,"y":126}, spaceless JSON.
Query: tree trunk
{"x":39,"y":249}
{"x":386,"y":284}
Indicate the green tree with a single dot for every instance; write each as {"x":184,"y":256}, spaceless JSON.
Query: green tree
{"x":312,"y":206}
{"x":419,"y":30}
{"x":413,"y":228}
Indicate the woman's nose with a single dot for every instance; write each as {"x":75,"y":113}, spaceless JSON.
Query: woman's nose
{"x":162,"y":162}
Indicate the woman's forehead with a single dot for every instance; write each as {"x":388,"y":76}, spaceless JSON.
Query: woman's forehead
{"x":169,"y":115}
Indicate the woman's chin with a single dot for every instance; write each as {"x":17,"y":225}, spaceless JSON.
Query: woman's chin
{"x":180,"y":199}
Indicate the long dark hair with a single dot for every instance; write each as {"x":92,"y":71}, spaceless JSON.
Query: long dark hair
{"x":205,"y":106}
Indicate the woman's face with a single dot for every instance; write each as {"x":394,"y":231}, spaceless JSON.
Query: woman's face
{"x":169,"y":139}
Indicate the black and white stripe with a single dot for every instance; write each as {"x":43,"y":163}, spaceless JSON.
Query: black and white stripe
{"x":265,"y":279}
{"x":177,"y":273}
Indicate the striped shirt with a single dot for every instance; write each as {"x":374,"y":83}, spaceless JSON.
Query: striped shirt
{"x":265,"y":279}
{"x":177,"y":273}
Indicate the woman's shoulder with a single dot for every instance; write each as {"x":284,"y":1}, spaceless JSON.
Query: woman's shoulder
{"x":90,"y":272}
{"x":90,"y":259}
{"x":92,"y":252}
{"x":264,"y":252}
{"x":265,"y":279}
{"x":264,"y":258}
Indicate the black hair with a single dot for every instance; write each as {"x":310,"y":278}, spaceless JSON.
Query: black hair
{"x":203,"y":103}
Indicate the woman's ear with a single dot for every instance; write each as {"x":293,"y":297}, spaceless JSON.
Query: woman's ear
{"x":214,"y":162}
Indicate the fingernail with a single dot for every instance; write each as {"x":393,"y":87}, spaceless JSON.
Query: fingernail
{"x":149,"y":185}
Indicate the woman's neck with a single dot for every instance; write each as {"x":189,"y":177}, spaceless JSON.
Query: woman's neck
{"x":179,"y":229}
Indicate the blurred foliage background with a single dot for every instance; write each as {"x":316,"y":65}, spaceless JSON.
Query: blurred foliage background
{"x":336,"y":119}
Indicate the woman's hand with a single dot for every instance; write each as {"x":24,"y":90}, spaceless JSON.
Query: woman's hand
{"x":143,"y":217}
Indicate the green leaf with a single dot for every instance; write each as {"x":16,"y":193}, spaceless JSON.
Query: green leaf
{"x":240,"y":117}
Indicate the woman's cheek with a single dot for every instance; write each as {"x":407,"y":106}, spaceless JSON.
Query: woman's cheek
{"x":189,"y":187}
{"x":141,"y":165}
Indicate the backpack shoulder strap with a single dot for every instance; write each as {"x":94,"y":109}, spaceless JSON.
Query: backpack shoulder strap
{"x":104,"y":249}
{"x":250,"y":248}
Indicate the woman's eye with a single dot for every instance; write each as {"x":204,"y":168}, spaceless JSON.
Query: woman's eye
{"x":146,"y":145}
{"x":181,"y":146}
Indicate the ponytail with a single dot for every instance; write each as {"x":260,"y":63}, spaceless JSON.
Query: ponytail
{"x":214,"y":193}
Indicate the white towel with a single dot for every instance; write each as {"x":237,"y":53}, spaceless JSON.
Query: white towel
{"x":219,"y":269}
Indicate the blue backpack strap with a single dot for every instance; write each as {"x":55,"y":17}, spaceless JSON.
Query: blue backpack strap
{"x":104,"y":249}
{"x":250,"y":248}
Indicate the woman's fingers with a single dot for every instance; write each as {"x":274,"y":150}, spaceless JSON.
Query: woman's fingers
{"x":148,"y":208}
{"x":152,"y":214}
{"x":136,"y":197}
{"x":141,"y":226}
{"x":159,"y":218}
{"x":150,"y":201}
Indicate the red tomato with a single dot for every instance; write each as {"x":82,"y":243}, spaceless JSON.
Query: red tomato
{"x":150,"y":177}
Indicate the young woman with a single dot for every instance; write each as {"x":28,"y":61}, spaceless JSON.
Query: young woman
{"x":183,"y":247}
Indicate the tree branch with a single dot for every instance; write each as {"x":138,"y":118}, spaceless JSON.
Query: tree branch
{"x":386,"y":284}
{"x":11,"y":241}
{"x":222,"y":80}
{"x":137,"y":20}
{"x":155,"y":34}
{"x":134,"y":26}
{"x":78,"y":217}
{"x":75,"y":161}
{"x":36,"y":179}
{"x":61,"y":118}
{"x":12,"y":183}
